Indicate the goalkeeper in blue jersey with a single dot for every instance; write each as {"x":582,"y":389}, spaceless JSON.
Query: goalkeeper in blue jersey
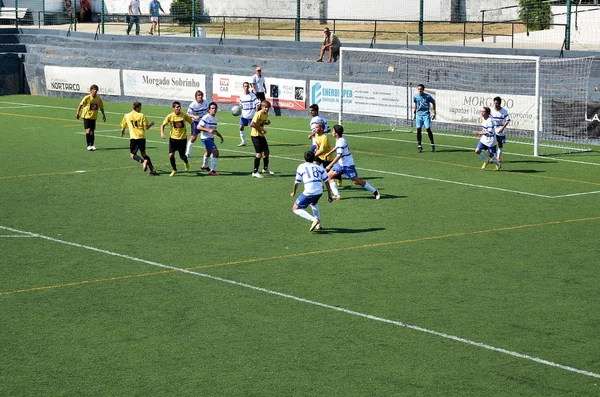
{"x":423,"y":115}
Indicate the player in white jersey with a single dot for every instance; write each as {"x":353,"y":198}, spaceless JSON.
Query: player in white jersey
{"x":487,"y":141}
{"x":207,"y":126}
{"x":343,"y":163}
{"x":316,"y":119}
{"x":249,"y":104}
{"x":312,"y":175}
{"x":501,"y":119}
{"x":258,"y":84}
{"x":197,"y":109}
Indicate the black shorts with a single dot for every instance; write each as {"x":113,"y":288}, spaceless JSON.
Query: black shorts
{"x":89,"y":123}
{"x":324,"y":163}
{"x":177,"y":145}
{"x":137,"y":144}
{"x":260,"y":144}
{"x":260,"y":96}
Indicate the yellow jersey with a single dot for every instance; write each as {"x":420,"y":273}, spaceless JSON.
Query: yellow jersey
{"x":323,"y":145}
{"x":177,"y":122}
{"x":137,"y":124}
{"x":90,"y":106}
{"x":259,"y":119}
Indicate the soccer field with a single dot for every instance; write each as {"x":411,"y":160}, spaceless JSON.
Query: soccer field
{"x":458,"y":282}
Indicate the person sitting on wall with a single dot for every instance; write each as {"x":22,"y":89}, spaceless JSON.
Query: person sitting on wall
{"x":332,"y":44}
{"x":69,"y":9}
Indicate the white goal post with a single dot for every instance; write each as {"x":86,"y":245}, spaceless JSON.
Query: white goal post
{"x":546,"y":98}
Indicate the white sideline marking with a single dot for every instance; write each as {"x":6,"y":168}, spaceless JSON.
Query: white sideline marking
{"x":16,"y":236}
{"x":315,"y":303}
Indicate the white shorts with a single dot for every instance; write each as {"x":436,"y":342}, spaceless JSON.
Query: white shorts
{"x":153,"y":19}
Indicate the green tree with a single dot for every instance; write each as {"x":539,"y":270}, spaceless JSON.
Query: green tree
{"x":536,"y":13}
{"x":181,"y":11}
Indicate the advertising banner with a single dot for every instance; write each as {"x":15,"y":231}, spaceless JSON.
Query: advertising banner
{"x":164,"y":85}
{"x":66,"y":79}
{"x":282,"y":93}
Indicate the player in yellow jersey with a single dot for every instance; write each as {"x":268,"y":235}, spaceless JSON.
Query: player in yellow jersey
{"x":90,"y":104}
{"x":178,"y":135}
{"x":322,"y":147}
{"x":261,"y":146}
{"x":137,"y":123}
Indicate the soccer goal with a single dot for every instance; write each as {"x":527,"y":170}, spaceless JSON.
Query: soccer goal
{"x":546,"y":98}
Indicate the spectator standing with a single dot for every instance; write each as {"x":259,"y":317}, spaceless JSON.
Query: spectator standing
{"x":134,"y":16}
{"x":154,"y":9}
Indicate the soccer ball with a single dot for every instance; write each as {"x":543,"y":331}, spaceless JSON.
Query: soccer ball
{"x":236,"y":110}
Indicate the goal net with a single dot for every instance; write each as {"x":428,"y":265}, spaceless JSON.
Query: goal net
{"x":546,"y":98}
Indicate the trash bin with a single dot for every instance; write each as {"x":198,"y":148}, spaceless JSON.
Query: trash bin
{"x":200,"y":32}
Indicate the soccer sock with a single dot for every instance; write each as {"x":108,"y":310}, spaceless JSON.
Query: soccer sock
{"x":149,"y":162}
{"x":430,"y":135}
{"x":138,"y":158}
{"x":87,"y":139}
{"x":190,"y":145}
{"x":92,"y":139}
{"x":369,"y":187}
{"x":213,"y":163}
{"x":243,"y":136}
{"x":256,"y":163}
{"x":495,"y":160}
{"x":266,"y":162}
{"x":419,"y":136}
{"x":483,"y":157}
{"x":315,"y":210}
{"x":205,"y":162}
{"x":499,"y":152}
{"x":172,"y":160}
{"x":334,"y":189}
{"x":304,"y":214}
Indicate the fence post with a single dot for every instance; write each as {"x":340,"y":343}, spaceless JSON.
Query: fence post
{"x":194,"y":18}
{"x":297,"y":20}
{"x":102,"y":9}
{"x":421,"y":22}
{"x":482,"y":23}
{"x":16,"y":13}
{"x":568,"y":27}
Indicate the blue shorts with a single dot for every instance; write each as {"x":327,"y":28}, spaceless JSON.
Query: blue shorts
{"x":501,"y":139}
{"x":304,"y":201}
{"x":245,"y":122}
{"x":423,"y":119}
{"x":491,"y":150}
{"x":209,"y":144}
{"x":195,"y":131}
{"x":349,"y":172}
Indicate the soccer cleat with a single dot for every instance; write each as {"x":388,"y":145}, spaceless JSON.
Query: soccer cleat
{"x":314,"y":225}
{"x":89,"y":148}
{"x":267,"y":171}
{"x":242,"y":144}
{"x":319,"y":227}
{"x":338,"y":182}
{"x":203,"y":168}
{"x":433,"y":148}
{"x":257,"y":175}
{"x":173,"y":173}
{"x":213,"y":173}
{"x":338,"y":197}
{"x":186,"y":166}
{"x":92,"y":148}
{"x":498,"y":168}
{"x":377,"y":195}
{"x":145,"y":165}
{"x":484,"y":166}
{"x":152,"y":172}
{"x":419,"y":149}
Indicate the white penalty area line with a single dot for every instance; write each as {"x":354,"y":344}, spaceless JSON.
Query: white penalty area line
{"x":315,"y":303}
{"x":16,"y":236}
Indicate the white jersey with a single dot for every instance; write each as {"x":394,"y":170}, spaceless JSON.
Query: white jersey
{"x":316,"y":120}
{"x":248,"y":104}
{"x":313,"y":175}
{"x":343,"y":150}
{"x":489,"y":139}
{"x":499,"y":118}
{"x":198,"y":109}
{"x":135,"y":7}
{"x":210,"y":122}
{"x":259,"y":83}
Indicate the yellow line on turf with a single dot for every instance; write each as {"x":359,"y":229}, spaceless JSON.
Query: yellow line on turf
{"x":301,"y":254}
